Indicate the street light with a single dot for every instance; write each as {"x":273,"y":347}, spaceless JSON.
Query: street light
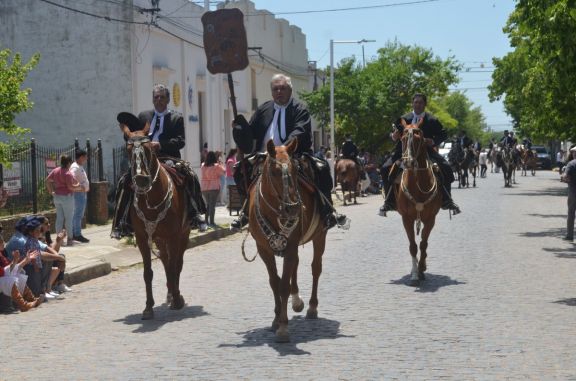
{"x":332,"y":134}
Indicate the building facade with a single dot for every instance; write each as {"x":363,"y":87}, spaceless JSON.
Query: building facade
{"x":95,"y":65}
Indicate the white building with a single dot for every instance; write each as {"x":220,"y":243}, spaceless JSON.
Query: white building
{"x":94,"y":66}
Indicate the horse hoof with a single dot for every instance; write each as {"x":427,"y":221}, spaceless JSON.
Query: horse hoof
{"x":282,"y":335}
{"x":414,"y":282}
{"x":421,"y":276}
{"x":148,"y":314}
{"x":312,"y":314}
{"x":178,"y":303}
{"x":299,"y":307}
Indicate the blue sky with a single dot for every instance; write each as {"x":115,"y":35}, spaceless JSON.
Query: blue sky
{"x":470,"y":30}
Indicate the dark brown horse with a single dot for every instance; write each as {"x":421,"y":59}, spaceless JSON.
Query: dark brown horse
{"x":158,"y":216}
{"x":418,"y":195}
{"x":283,"y":215}
{"x":348,"y":175}
{"x":528,"y":162}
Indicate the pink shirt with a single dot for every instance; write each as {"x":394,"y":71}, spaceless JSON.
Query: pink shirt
{"x":230,"y":166}
{"x":211,"y":176}
{"x":63,"y":180}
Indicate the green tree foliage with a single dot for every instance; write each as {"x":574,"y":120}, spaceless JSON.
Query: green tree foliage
{"x":13,"y":99}
{"x":368,"y":100}
{"x":468,"y":118}
{"x":536,"y":79}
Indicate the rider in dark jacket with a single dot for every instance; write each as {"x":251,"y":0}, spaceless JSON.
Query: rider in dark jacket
{"x":434,"y":134}
{"x":350,"y":151}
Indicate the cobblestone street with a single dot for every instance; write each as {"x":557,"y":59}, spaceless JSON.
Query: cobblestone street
{"x":499,"y":303}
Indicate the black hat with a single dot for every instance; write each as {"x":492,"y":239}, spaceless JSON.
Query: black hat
{"x":131,"y":120}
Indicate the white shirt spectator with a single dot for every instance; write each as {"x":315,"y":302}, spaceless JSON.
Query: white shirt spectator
{"x":483,"y":158}
{"x":80,"y":176}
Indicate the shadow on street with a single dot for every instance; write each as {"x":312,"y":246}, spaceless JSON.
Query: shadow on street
{"x":562,"y":192}
{"x":569,"y":302}
{"x":301,"y":331}
{"x":162,"y":315}
{"x":555,"y":232}
{"x":432,"y":283}
{"x":562,"y":252}
{"x":547,"y":215}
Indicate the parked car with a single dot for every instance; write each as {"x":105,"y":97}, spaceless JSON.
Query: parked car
{"x":543,"y":158}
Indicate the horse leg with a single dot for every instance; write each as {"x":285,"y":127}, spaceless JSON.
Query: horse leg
{"x":282,"y":333}
{"x":177,"y":259}
{"x":297,"y":302}
{"x":409,"y":227}
{"x":142,"y":242}
{"x":166,"y":263}
{"x":274,"y":280}
{"x":319,"y":244}
{"x":426,"y":230}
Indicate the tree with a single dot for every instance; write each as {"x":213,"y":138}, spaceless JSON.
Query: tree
{"x":468,"y":118}
{"x":13,"y":99}
{"x":536,"y":79}
{"x":368,"y":100}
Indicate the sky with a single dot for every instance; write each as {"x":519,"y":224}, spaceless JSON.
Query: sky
{"x":469,"y":30}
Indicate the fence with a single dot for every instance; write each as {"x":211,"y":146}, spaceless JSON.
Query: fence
{"x":25,"y":178}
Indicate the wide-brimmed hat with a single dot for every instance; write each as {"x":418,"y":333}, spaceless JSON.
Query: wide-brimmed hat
{"x":572,"y":148}
{"x":131,"y":120}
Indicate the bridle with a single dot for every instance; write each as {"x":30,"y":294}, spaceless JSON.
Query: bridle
{"x":411,"y":150}
{"x":288,"y":201}
{"x":140,"y":160}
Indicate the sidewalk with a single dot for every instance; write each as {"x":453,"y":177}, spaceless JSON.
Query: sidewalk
{"x":103,"y":254}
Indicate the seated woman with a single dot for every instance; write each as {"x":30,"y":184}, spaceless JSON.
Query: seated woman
{"x":55,"y":283}
{"x":13,"y":280}
{"x":50,"y":263}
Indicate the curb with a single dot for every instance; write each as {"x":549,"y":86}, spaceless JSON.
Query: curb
{"x":98,"y":267}
{"x":94,"y":269}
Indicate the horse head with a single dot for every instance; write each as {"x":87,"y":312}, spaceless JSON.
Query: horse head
{"x":143,"y":162}
{"x":280,"y":175}
{"x":413,"y":144}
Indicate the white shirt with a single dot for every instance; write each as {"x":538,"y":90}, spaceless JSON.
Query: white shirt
{"x":152,"y":134}
{"x":80,"y":176}
{"x":416,"y":117}
{"x":277,"y":129}
{"x":483,"y":158}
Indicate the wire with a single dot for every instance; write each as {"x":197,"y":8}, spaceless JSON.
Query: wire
{"x":94,"y":15}
{"x":338,"y":9}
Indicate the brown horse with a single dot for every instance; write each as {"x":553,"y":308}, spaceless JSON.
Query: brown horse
{"x":283,"y":215}
{"x":418,"y":195}
{"x":528,"y":161}
{"x":348,"y":175}
{"x":158,"y":215}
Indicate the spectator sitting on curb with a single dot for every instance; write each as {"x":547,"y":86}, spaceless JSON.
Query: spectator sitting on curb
{"x":57,"y":283}
{"x":13,"y":280}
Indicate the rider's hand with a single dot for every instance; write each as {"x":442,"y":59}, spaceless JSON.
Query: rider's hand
{"x":240,"y":120}
{"x":429,"y":141}
{"x":155,"y":146}
{"x":395,"y":135}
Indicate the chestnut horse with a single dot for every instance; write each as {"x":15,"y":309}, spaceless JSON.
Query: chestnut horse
{"x":348,"y":175}
{"x":158,"y":215}
{"x":528,"y":161}
{"x":418,"y":195}
{"x":283,"y":215}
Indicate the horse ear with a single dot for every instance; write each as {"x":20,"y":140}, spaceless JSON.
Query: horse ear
{"x":125,"y":129}
{"x":404,"y":124}
{"x":292,"y":145}
{"x":271,"y":148}
{"x":146,"y":128}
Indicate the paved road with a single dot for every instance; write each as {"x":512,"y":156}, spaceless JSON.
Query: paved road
{"x":499,"y":303}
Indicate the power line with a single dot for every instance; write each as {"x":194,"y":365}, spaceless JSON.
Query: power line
{"x":94,"y":15}
{"x":337,"y":9}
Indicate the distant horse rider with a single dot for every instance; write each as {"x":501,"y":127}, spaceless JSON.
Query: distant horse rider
{"x":463,"y":140}
{"x":350,"y":151}
{"x":507,"y":140}
{"x":527,"y":143}
{"x":167,"y":139}
{"x":434,"y":134}
{"x":281,"y":119}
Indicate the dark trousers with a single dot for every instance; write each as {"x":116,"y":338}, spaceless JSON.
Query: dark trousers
{"x":571,"y":211}
{"x":483,"y":169}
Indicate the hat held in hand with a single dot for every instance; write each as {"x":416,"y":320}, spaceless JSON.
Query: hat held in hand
{"x":130,"y":120}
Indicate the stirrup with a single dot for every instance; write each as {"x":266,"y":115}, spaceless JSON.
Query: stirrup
{"x":387,"y":207}
{"x":239,"y":223}
{"x":451,"y":205}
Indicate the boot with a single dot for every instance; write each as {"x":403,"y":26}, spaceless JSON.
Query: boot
{"x":447,"y":202}
{"x":242,"y":219}
{"x":19,"y":300}
{"x":389,"y":201}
